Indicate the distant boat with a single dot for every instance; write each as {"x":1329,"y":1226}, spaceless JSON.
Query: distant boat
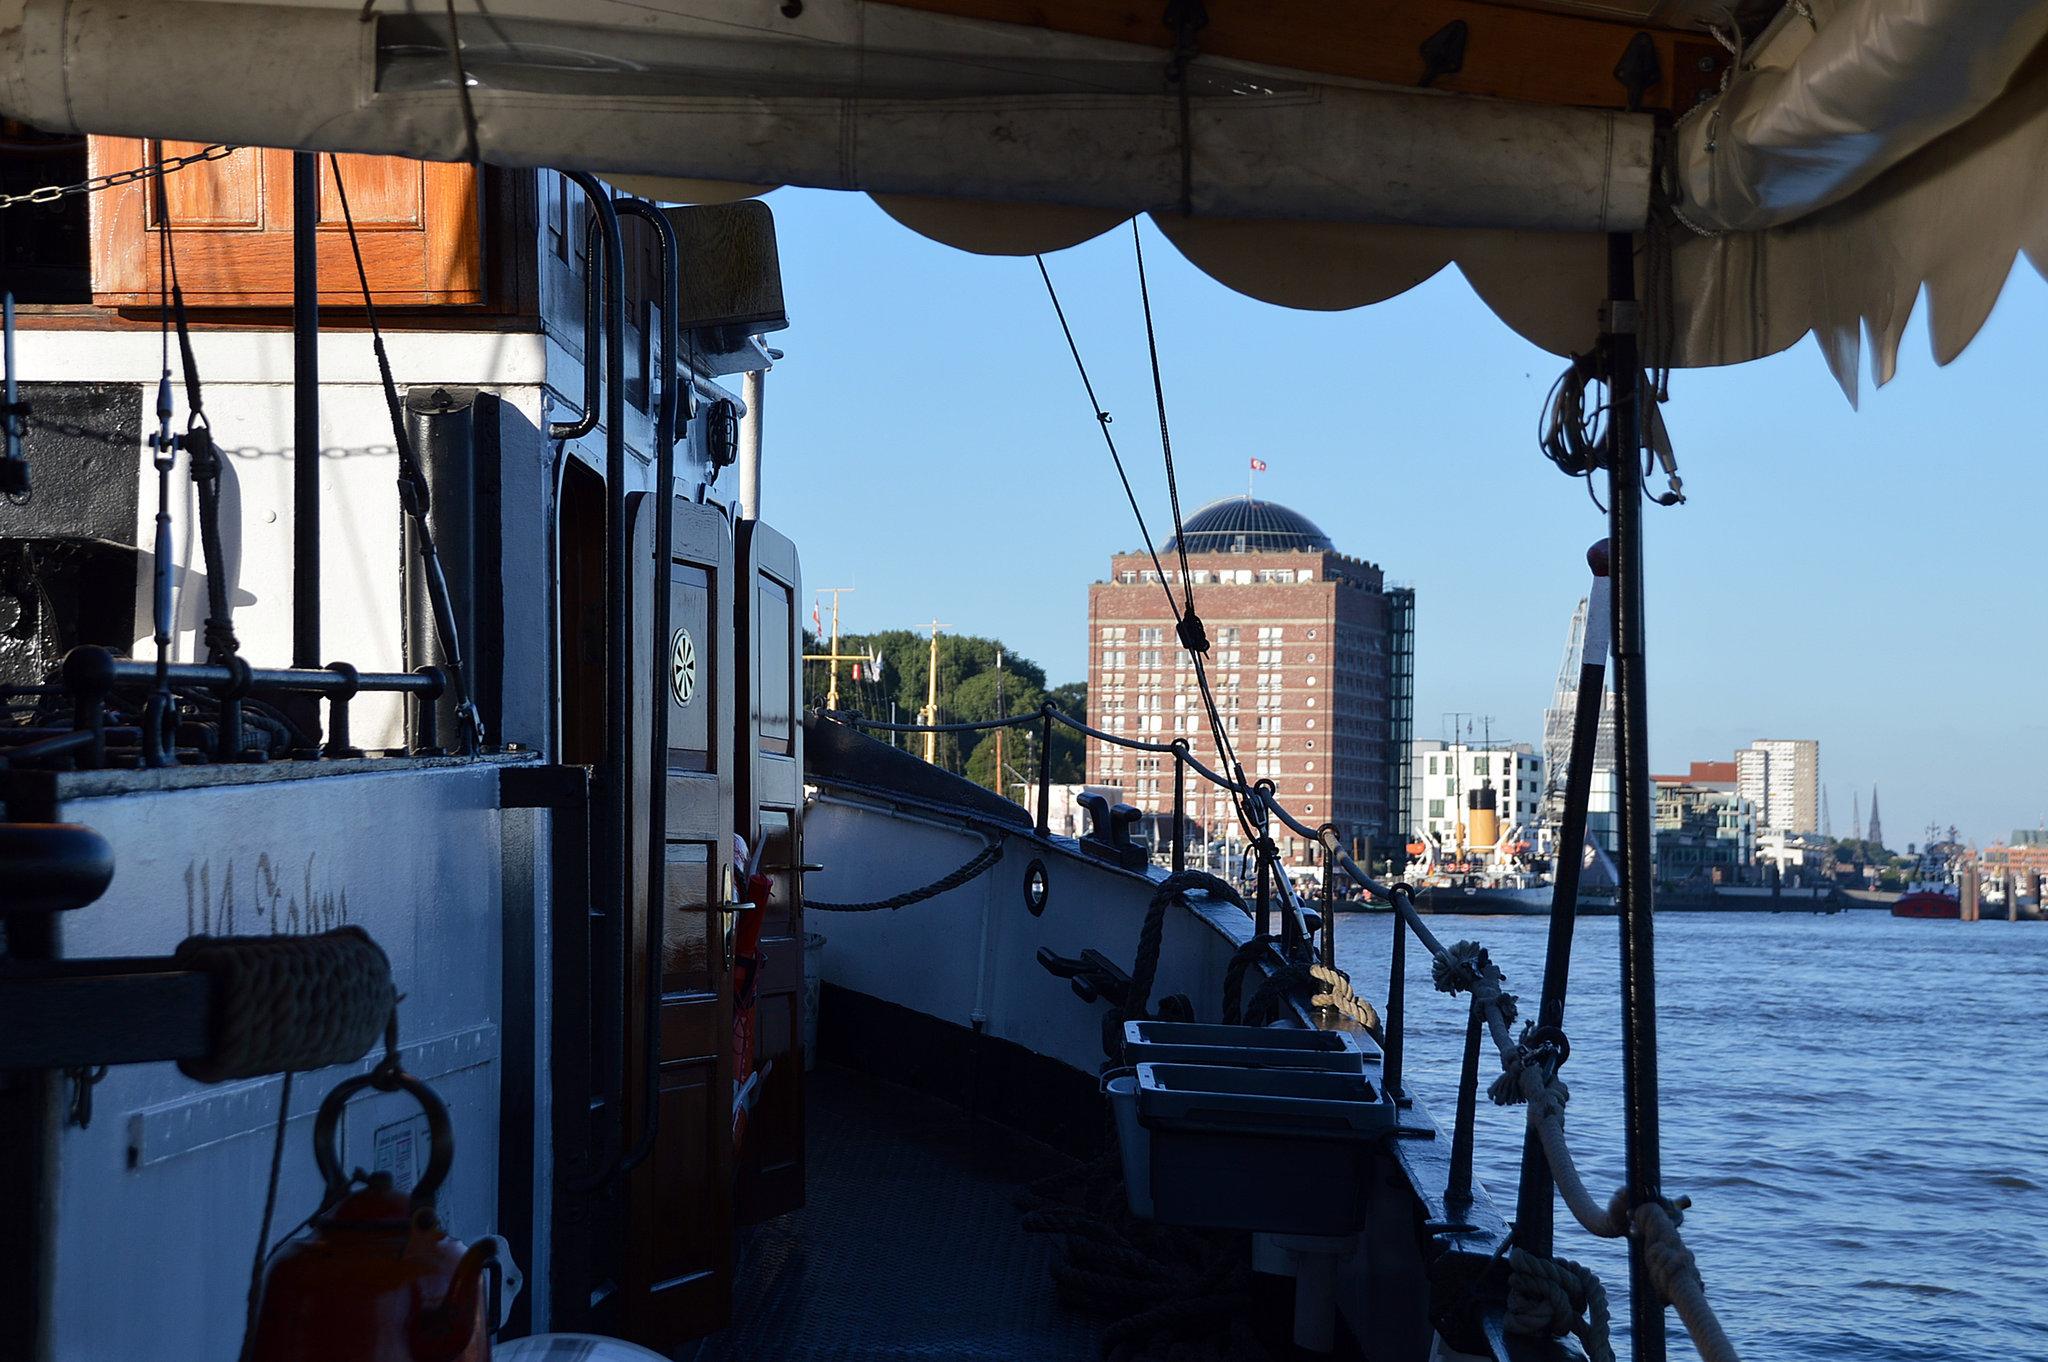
{"x":1928,"y":902}
{"x":1936,"y":889}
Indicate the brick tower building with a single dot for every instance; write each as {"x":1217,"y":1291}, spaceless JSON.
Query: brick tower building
{"x":1311,"y":662}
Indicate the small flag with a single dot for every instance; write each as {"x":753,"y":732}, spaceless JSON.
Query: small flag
{"x":1258,"y":465}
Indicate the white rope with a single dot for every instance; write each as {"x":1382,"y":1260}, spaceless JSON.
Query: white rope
{"x":1552,"y":1297}
{"x":1465,"y":968}
{"x":1677,"y":1276}
{"x":1337,"y":993}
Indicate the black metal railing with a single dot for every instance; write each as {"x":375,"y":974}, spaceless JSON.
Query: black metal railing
{"x":101,"y":687}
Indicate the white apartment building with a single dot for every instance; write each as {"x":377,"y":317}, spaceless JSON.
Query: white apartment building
{"x":1445,"y":774}
{"x":1780,"y":777}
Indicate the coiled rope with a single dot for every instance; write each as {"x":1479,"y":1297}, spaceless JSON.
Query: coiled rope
{"x":289,"y":1002}
{"x":982,"y":860}
{"x":1526,"y":1078}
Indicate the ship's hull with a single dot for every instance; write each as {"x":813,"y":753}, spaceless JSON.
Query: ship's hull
{"x":1928,"y":903}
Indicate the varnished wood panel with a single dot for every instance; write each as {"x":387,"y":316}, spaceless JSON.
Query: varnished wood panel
{"x":419,"y":224}
{"x":771,"y":1165}
{"x":679,"y":1231}
{"x":1510,"y":53}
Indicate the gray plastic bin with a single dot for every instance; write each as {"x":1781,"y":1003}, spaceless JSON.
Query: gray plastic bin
{"x":1271,"y":1047}
{"x":1220,"y":1135}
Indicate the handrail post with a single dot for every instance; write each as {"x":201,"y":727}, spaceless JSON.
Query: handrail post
{"x":1460,"y":1188}
{"x":1535,"y":1210}
{"x":1330,"y":838}
{"x":338,"y":742}
{"x":1265,"y":895}
{"x":427,"y":712}
{"x":1045,"y":769}
{"x":1180,"y":814}
{"x":1397,"y":1005}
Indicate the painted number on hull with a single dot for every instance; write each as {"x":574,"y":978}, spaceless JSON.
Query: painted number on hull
{"x":682,"y":666}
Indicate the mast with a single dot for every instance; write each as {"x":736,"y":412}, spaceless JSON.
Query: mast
{"x":832,"y":657}
{"x":832,"y":691}
{"x":930,"y":713}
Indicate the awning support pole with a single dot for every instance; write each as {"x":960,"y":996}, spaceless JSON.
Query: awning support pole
{"x":1632,"y":733}
{"x":305,"y":409}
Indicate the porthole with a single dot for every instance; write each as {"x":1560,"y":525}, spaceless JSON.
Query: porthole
{"x":1036,"y":888}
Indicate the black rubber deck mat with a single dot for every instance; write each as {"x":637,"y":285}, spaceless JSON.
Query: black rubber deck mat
{"x":909,"y":1246}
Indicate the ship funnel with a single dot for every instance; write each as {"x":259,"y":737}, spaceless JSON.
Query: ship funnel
{"x":1482,"y":817}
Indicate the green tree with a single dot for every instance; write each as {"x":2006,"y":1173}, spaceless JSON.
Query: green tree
{"x":968,"y":692}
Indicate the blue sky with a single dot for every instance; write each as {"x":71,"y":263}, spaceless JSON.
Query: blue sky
{"x":1867,"y":578}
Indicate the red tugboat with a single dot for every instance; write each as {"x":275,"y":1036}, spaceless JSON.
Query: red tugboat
{"x":1935,"y":890}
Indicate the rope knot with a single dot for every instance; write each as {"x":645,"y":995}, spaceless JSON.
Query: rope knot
{"x":1555,"y":1296}
{"x":1538,"y":1054}
{"x":1463,"y":968}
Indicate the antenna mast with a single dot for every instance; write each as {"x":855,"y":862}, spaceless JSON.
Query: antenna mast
{"x":930,"y":713}
{"x":833,"y":655}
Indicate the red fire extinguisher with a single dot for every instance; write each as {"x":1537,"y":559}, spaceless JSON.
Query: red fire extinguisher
{"x":374,"y":1278}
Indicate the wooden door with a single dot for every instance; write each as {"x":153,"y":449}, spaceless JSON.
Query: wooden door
{"x":770,"y":796}
{"x":679,"y":1246}
{"x":419,"y":222}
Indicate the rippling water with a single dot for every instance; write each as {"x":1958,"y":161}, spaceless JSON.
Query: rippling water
{"x":1853,"y":1102}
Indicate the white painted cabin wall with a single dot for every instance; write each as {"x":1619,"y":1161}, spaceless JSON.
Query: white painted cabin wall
{"x":246,"y":379}
{"x":159,"y":1200}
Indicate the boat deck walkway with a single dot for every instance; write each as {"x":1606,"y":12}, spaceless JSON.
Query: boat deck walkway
{"x":909,"y":1247}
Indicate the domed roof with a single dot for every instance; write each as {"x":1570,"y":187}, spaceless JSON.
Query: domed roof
{"x":1243,"y":525}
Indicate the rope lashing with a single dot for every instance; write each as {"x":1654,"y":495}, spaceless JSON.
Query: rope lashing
{"x":1524,"y":1076}
{"x":1552,"y":1297}
{"x":289,"y":1002}
{"x":1466,"y":968}
{"x":982,"y":860}
{"x":1240,"y":964}
{"x":1677,"y":1277}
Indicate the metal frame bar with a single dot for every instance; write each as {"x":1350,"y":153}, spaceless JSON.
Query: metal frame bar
{"x":1638,"y":869}
{"x":305,"y":409}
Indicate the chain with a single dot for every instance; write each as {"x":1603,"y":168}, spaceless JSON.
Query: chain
{"x":50,"y":193}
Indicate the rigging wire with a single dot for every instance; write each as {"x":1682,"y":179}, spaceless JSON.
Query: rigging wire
{"x":163,"y":444}
{"x":414,"y":495}
{"x":1187,"y":625}
{"x":1104,"y":418}
{"x":1188,"y":628}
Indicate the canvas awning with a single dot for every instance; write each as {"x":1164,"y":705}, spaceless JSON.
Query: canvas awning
{"x":1856,"y":151}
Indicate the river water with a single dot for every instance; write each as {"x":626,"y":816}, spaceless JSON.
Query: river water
{"x":1853,"y":1102}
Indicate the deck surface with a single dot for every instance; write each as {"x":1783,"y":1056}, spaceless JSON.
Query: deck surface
{"x":909,"y":1246}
